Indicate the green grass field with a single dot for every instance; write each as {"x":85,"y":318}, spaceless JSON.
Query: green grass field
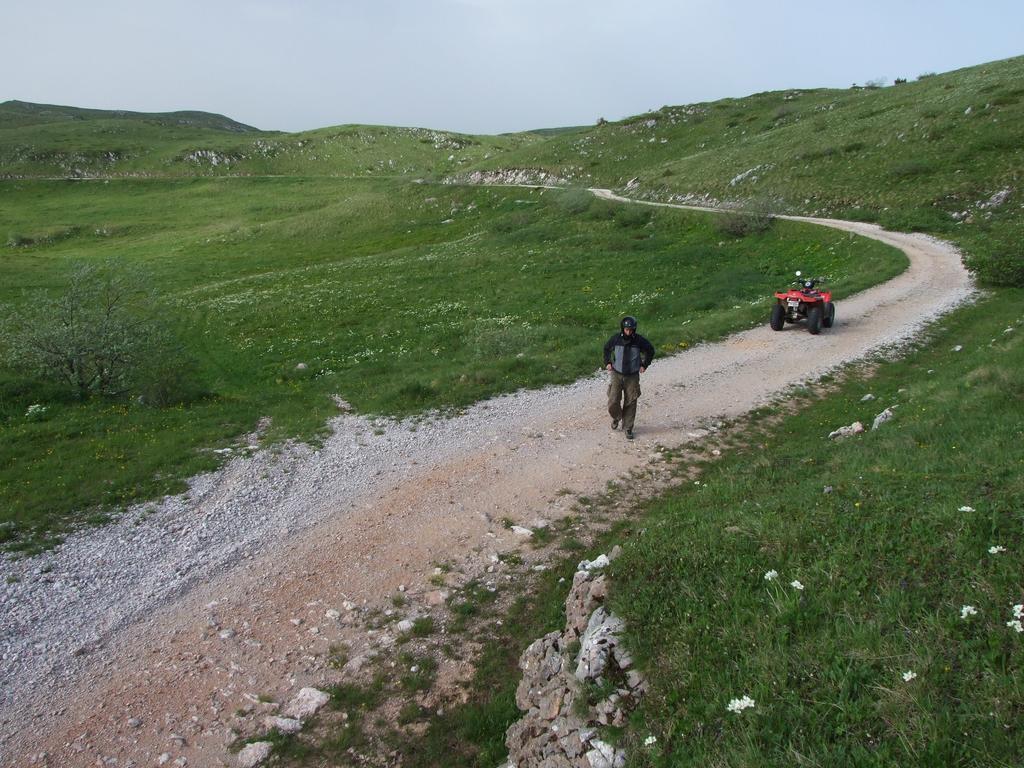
{"x":399,"y":297}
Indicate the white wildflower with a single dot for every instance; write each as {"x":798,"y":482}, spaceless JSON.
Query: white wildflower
{"x":35,"y":410}
{"x":738,"y":705}
{"x":909,"y":675}
{"x":650,"y":740}
{"x":995,"y":550}
{"x":1018,"y":611}
{"x":771,"y":575}
{"x":965,"y":508}
{"x":967,"y":610}
{"x":795,"y":584}
{"x":1015,"y":625}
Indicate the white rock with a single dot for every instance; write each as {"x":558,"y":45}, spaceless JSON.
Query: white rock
{"x":518,"y":530}
{"x":867,"y":398}
{"x":306,"y":703}
{"x":301,"y":367}
{"x":253,"y":754}
{"x":333,"y":614}
{"x":604,"y":755}
{"x":405,"y":625}
{"x":853,"y":429}
{"x":598,"y":562}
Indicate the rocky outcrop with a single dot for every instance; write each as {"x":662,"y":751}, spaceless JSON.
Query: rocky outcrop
{"x":561,"y":673}
{"x":531,"y":177}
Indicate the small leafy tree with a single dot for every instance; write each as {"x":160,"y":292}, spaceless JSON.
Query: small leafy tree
{"x":94,"y":336}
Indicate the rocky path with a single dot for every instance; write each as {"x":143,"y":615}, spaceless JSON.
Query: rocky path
{"x":147,"y":640}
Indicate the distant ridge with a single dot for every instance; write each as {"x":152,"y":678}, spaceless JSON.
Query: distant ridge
{"x":16,"y":114}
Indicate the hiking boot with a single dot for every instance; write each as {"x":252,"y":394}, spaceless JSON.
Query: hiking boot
{"x":615,"y":423}
{"x":629,"y":434}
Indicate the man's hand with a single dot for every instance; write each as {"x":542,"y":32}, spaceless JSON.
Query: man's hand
{"x":608,"y":367}
{"x":642,"y":369}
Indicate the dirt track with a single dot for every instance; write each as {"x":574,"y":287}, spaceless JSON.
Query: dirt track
{"x":182,"y":680}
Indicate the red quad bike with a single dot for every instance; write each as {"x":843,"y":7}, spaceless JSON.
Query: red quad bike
{"x":805,"y":301}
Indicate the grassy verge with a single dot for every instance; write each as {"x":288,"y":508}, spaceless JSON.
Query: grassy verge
{"x":400,"y":298}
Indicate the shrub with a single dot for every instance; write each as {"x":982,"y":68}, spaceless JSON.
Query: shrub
{"x":754,"y":219}
{"x":169,"y":378}
{"x":1002,"y":266}
{"x":575,"y":201}
{"x":95,"y":336}
{"x":629,"y":216}
{"x":910,"y":168}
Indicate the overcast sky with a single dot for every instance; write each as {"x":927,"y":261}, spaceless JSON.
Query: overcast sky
{"x":478,"y":66}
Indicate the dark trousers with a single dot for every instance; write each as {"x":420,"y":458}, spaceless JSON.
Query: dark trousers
{"x":623,"y":392}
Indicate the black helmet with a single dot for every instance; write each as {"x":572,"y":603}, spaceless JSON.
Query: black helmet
{"x":628,"y":322}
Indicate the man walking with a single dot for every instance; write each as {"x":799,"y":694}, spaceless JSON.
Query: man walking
{"x":626,"y":355}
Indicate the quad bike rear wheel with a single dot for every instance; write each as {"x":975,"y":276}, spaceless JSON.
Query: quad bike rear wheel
{"x":778,"y":318}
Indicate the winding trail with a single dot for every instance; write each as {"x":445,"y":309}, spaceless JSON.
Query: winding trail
{"x":161,"y":665}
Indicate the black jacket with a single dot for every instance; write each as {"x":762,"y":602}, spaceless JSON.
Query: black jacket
{"x":628,"y":354}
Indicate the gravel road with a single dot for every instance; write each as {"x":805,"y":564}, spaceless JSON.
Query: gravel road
{"x":138,"y":639}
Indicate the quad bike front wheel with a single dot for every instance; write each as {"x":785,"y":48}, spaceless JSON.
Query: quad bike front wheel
{"x":830,"y":315}
{"x":778,"y":318}
{"x":814,"y":320}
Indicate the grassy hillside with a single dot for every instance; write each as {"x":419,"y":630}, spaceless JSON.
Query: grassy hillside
{"x":22,"y":113}
{"x":943,"y":154}
{"x":63,"y":142}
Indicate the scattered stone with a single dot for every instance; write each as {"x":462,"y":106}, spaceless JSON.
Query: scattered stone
{"x":828,"y":489}
{"x":867,"y":398}
{"x":333,"y":614}
{"x":134,"y":722}
{"x":958,"y":348}
{"x":404,"y":626}
{"x":306,"y":703}
{"x":226,"y":634}
{"x":881,"y":418}
{"x":254,"y":754}
{"x":283,"y":724}
{"x":436,"y":597}
{"x":853,"y":429}
{"x":301,"y":367}
{"x":518,"y":530}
